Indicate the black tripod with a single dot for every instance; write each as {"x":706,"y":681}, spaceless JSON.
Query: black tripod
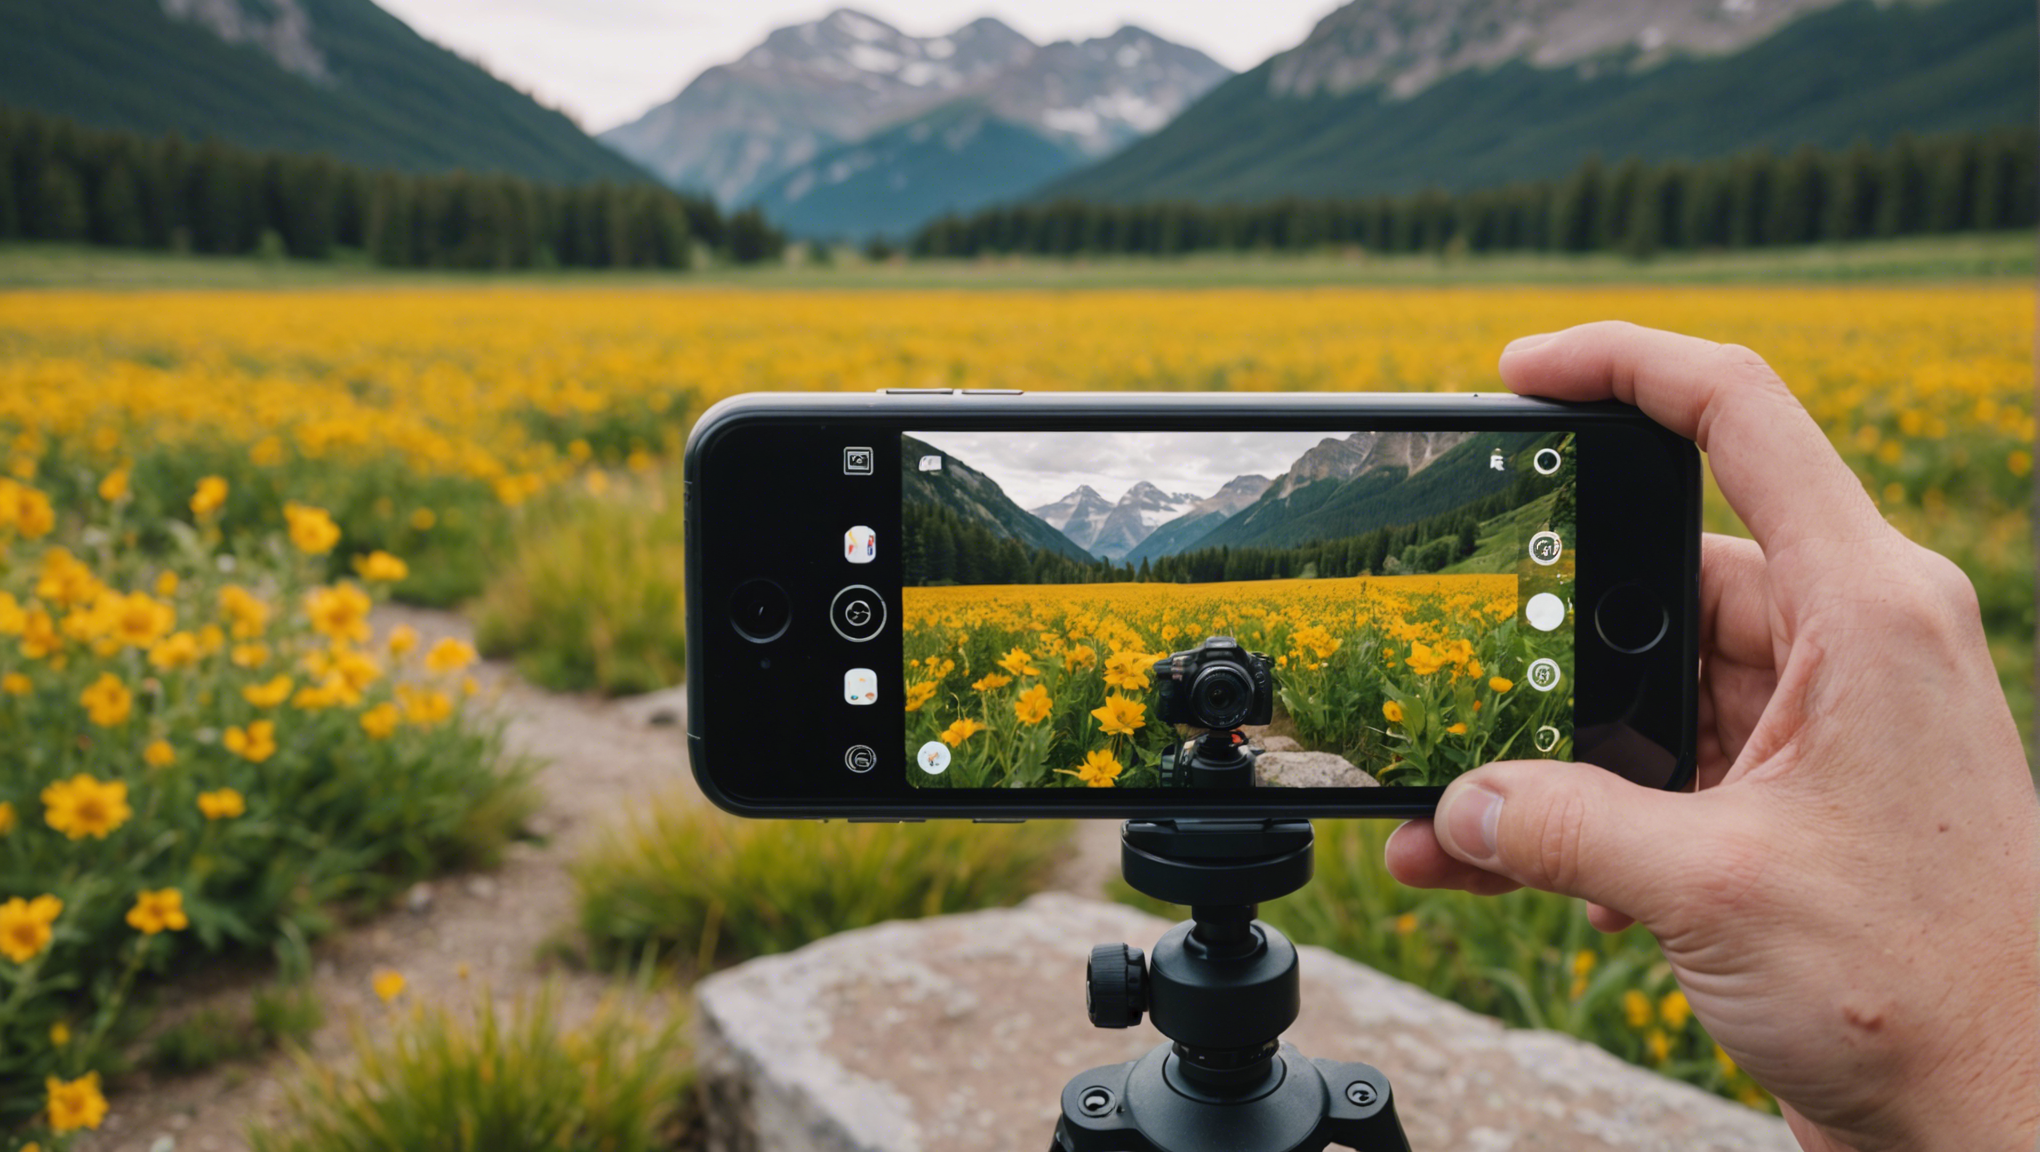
{"x":1223,"y":987}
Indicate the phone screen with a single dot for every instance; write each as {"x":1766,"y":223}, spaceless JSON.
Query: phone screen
{"x":1236,"y":609}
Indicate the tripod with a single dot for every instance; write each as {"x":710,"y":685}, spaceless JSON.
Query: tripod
{"x":1222,"y":987}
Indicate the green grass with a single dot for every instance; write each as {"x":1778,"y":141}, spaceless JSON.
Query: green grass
{"x":1529,"y":958}
{"x":1965,"y":256}
{"x":521,"y":1080}
{"x":591,"y":595}
{"x":683,"y":881}
{"x":274,"y":1016}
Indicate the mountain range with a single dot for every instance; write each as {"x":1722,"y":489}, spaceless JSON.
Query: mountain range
{"x":847,"y":126}
{"x":976,"y":498}
{"x":1342,"y":486}
{"x":342,"y":77}
{"x":1397,"y":95}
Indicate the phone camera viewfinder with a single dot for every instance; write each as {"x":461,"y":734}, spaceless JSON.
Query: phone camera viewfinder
{"x":760,"y":611}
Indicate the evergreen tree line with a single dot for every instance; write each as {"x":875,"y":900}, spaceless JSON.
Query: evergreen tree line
{"x":61,"y":181}
{"x":1916,"y":185}
{"x":937,"y":546}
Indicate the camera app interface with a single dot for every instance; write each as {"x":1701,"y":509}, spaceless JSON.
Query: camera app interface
{"x":1234,"y":609}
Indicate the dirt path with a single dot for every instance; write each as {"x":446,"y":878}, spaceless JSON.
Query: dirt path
{"x":459,"y":934}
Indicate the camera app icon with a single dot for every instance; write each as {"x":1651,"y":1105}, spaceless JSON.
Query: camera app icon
{"x":860,"y":686}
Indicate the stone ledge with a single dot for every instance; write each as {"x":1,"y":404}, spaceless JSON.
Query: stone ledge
{"x":958,"y":1033}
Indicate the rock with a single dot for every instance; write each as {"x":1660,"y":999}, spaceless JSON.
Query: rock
{"x":1277,"y":744}
{"x":419,"y":899}
{"x":481,"y":887}
{"x":666,"y":708}
{"x":164,"y":1144}
{"x":958,"y":1033}
{"x":1283,"y":769}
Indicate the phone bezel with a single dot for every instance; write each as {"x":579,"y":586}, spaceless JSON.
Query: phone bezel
{"x":1672,"y":532}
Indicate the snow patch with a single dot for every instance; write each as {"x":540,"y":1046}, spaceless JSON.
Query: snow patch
{"x":872,"y":58}
{"x":940,"y":48}
{"x":860,"y":27}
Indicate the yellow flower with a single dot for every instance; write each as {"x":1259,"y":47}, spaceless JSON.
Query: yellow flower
{"x":449,"y":655}
{"x":138,"y":619}
{"x":1501,"y":683}
{"x":60,"y":1034}
{"x":381,"y":720}
{"x":1425,"y":660}
{"x":83,"y":806}
{"x":267,"y":695}
{"x":422,"y":519}
{"x":8,"y":819}
{"x":1582,"y":966}
{"x":75,"y":1104}
{"x":1081,"y":657}
{"x":39,"y":636}
{"x":15,"y":684}
{"x":1722,"y":1058}
{"x":222,"y":804}
{"x":1659,"y":1046}
{"x":1127,"y":670}
{"x":990,"y":681}
{"x":1019,"y":663}
{"x":1120,"y":716}
{"x":388,"y":984}
{"x":340,"y":612}
{"x":159,"y":754}
{"x":403,"y":638}
{"x":25,"y":926}
{"x":161,"y":910}
{"x":1393,"y":711}
{"x":311,"y":529}
{"x":255,"y":743}
{"x":12,"y":619}
{"x":960,"y":731}
{"x":248,"y":614}
{"x":919,"y":693}
{"x":380,"y":567}
{"x":1406,"y":923}
{"x":177,"y":650}
{"x":424,"y":706}
{"x":1675,"y":1009}
{"x":1636,"y":1008}
{"x":114,"y":486}
{"x":1033,"y":705}
{"x":249,"y":655}
{"x":166,"y":583}
{"x":211,"y":495}
{"x":1458,"y":729}
{"x":1100,"y":769}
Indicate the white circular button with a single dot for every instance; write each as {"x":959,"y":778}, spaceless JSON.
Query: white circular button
{"x":933,"y":757}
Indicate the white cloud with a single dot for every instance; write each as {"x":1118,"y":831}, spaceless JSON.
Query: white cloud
{"x":1036,"y":468}
{"x":606,"y":61}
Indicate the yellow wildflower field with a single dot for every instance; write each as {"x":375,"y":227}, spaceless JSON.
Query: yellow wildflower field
{"x":415,"y":413}
{"x":1407,"y":677}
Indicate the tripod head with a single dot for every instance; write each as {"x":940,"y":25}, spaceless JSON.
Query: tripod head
{"x":1220,"y":758}
{"x":1223,"y":987}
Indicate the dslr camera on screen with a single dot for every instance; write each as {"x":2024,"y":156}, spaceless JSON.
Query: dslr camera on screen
{"x":1218,"y":686}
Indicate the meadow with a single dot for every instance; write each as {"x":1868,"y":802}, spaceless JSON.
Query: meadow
{"x":1408,"y":677}
{"x":509,"y":445}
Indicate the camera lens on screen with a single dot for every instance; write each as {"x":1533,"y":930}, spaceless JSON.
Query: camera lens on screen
{"x":1221,"y":696}
{"x":759,"y":610}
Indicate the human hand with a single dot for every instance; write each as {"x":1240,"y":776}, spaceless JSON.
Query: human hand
{"x":1851,"y":899}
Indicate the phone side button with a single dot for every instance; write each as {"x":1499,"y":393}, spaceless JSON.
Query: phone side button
{"x":871,"y":820}
{"x":920,"y":391}
{"x":995,"y":820}
{"x":994,"y":392}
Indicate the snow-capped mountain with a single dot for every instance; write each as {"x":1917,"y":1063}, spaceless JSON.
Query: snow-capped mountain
{"x":1200,"y":518}
{"x":824,"y":119}
{"x":1365,"y":452}
{"x":1139,"y":512}
{"x":1078,"y":515}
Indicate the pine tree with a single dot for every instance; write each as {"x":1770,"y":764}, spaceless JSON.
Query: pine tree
{"x":117,"y":213}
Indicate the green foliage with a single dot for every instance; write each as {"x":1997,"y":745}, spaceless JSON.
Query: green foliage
{"x":519,"y":1080}
{"x":212,"y":1036}
{"x":592,"y":595}
{"x":1529,"y":958}
{"x":1754,"y":198}
{"x":1858,"y":69}
{"x":390,"y":97}
{"x":120,"y":188}
{"x":686,"y":881}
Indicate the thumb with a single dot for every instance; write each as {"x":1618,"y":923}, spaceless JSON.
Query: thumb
{"x":1574,"y":829}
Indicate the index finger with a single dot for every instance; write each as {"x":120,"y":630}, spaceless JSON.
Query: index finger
{"x":1771,"y":460}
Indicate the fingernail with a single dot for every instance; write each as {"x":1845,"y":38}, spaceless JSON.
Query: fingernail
{"x":1471,"y":822}
{"x":1525,"y":343}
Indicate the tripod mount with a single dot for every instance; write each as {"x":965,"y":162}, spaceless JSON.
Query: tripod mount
{"x":1222,"y":987}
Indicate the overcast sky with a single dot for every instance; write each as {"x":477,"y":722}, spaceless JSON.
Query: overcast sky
{"x":604,"y":62}
{"x":1036,"y":468}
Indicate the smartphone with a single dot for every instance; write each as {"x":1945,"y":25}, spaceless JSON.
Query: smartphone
{"x":926,"y":603}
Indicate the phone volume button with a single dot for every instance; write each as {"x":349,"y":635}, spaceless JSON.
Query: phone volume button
{"x":994,"y":392}
{"x":996,"y":820}
{"x":920,"y":391}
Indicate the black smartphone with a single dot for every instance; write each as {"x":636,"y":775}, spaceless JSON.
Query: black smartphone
{"x":935,"y":603}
